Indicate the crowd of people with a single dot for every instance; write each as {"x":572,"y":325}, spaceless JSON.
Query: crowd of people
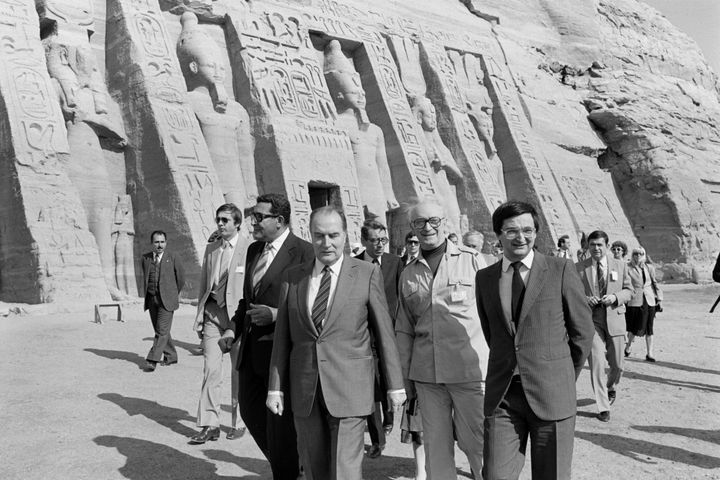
{"x":468,"y":347}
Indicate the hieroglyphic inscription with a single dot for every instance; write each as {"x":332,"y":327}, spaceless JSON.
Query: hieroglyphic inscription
{"x":188,"y":159}
{"x":283,"y":66}
{"x":483,"y":192}
{"x":34,"y":137}
{"x":533,"y":167}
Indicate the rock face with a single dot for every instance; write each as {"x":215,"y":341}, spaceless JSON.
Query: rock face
{"x":121,"y":117}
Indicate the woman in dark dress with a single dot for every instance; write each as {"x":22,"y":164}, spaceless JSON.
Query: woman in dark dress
{"x":640,"y":312}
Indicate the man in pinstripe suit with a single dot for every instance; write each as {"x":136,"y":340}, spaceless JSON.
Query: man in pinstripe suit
{"x":539,"y":329}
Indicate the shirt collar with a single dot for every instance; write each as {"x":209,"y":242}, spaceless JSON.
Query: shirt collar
{"x":278,"y":242}
{"x":370,"y":259}
{"x":603,"y":261}
{"x":527,"y":261}
{"x":232,"y":241}
{"x":335,"y":267}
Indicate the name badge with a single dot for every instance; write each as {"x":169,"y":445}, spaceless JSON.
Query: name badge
{"x":458,"y":295}
{"x":240,"y":269}
{"x":613,"y":276}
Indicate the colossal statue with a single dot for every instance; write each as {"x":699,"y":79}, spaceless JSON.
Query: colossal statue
{"x":122,"y":234}
{"x":367,"y":139}
{"x":224,"y":122}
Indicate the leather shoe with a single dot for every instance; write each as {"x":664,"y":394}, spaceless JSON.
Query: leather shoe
{"x":207,"y":433}
{"x":375,"y":450}
{"x":627,"y":352}
{"x":611,"y":396}
{"x":604,"y":416}
{"x":388,"y":428}
{"x":235,"y":433}
{"x":149,"y":366}
{"x":648,"y":358}
{"x":167,"y":363}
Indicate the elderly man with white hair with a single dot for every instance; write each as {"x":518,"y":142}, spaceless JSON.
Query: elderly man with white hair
{"x":442,"y":349}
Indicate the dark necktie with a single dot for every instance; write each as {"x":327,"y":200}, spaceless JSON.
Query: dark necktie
{"x":375,"y":261}
{"x":321,"y":300}
{"x":643,"y":274}
{"x":157,"y":259}
{"x":602,"y":287}
{"x":518,"y":291}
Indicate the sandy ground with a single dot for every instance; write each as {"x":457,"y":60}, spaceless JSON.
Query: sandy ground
{"x":76,"y":405}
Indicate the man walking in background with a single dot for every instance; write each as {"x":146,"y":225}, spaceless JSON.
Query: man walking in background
{"x":608,"y":288}
{"x":164,"y":278}
{"x":374,"y":237}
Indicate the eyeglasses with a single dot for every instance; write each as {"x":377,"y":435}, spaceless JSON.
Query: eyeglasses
{"x":222,"y":219}
{"x":638,"y":254}
{"x":617,"y":249}
{"x":375,"y":241}
{"x":419,"y":223}
{"x":512,"y":233}
{"x":413,"y":242}
{"x":259,"y":217}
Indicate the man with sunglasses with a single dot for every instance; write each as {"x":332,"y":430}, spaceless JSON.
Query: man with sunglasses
{"x":442,"y":349}
{"x":220,"y":291}
{"x":275,"y":250}
{"x":374,"y":237}
{"x":412,"y":248}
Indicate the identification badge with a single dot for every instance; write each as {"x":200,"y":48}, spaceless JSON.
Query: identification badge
{"x":239,"y":269}
{"x":613,"y":276}
{"x":458,"y":295}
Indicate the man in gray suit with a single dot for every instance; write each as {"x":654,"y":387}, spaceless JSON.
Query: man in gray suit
{"x":539,"y":328}
{"x":221,"y":283}
{"x":608,"y":288}
{"x":322,"y":357}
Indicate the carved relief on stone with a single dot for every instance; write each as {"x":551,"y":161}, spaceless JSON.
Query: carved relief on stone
{"x":224,"y":122}
{"x":447,"y":173}
{"x":367,"y":139}
{"x":123,"y":233}
{"x":84,"y":102}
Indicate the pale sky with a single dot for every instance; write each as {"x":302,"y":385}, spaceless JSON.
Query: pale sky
{"x":700,"y":19}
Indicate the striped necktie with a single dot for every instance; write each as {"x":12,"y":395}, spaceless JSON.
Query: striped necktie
{"x":321,"y":300}
{"x":602,"y":285}
{"x":221,"y":283}
{"x":261,"y":267}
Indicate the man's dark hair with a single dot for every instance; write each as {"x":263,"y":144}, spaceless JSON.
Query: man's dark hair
{"x":371,"y":224}
{"x":598,"y":234}
{"x":233,"y":210}
{"x":279,"y":205}
{"x":157,"y":232}
{"x":409,"y":235}
{"x":510,"y":209}
{"x":328,"y":209}
{"x":562,"y":239}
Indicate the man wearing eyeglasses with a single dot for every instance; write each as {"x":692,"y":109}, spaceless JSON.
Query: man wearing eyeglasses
{"x":275,"y":250}
{"x":412,"y":248}
{"x":442,"y":350}
{"x":539,"y":328}
{"x":374,"y":237}
{"x":220,"y":291}
{"x":608,"y":288}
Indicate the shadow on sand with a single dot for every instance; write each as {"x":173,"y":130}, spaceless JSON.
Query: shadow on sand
{"x":640,"y":450}
{"x":168,"y":417}
{"x":712,"y":436}
{"x":131,"y":357}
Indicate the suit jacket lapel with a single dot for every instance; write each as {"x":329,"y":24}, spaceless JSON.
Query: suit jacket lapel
{"x":494,"y":293}
{"x":536,"y":280}
{"x":282,"y":258}
{"x":302,"y":293}
{"x":342,"y":290}
{"x":589,"y":277}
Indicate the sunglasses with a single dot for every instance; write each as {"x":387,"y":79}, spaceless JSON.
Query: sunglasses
{"x":413,"y":242}
{"x":419,"y":223}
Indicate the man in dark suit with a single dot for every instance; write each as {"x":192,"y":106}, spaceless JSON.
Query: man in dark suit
{"x":373,"y":236}
{"x":164,"y":278}
{"x":539,"y":328}
{"x":608,"y":288}
{"x":412,"y":248}
{"x":221,"y":279}
{"x":322,"y":360}
{"x":275,"y":250}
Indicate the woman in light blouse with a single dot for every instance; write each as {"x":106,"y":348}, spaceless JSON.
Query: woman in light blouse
{"x":640,"y":312}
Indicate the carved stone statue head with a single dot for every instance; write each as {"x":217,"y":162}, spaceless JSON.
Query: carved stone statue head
{"x":424,"y":112}
{"x":342,"y":79}
{"x":201,"y":61}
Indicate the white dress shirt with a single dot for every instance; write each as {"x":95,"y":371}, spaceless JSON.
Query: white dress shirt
{"x":314,"y":283}
{"x":506,"y":281}
{"x":275,"y":246}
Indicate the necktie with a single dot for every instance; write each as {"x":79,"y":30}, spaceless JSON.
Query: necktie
{"x":518,"y":291}
{"x":602,"y":287}
{"x":321,"y":300}
{"x":157,"y":259}
{"x":375,"y":261}
{"x":222,"y":270}
{"x":643,"y":274}
{"x":261,"y":267}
